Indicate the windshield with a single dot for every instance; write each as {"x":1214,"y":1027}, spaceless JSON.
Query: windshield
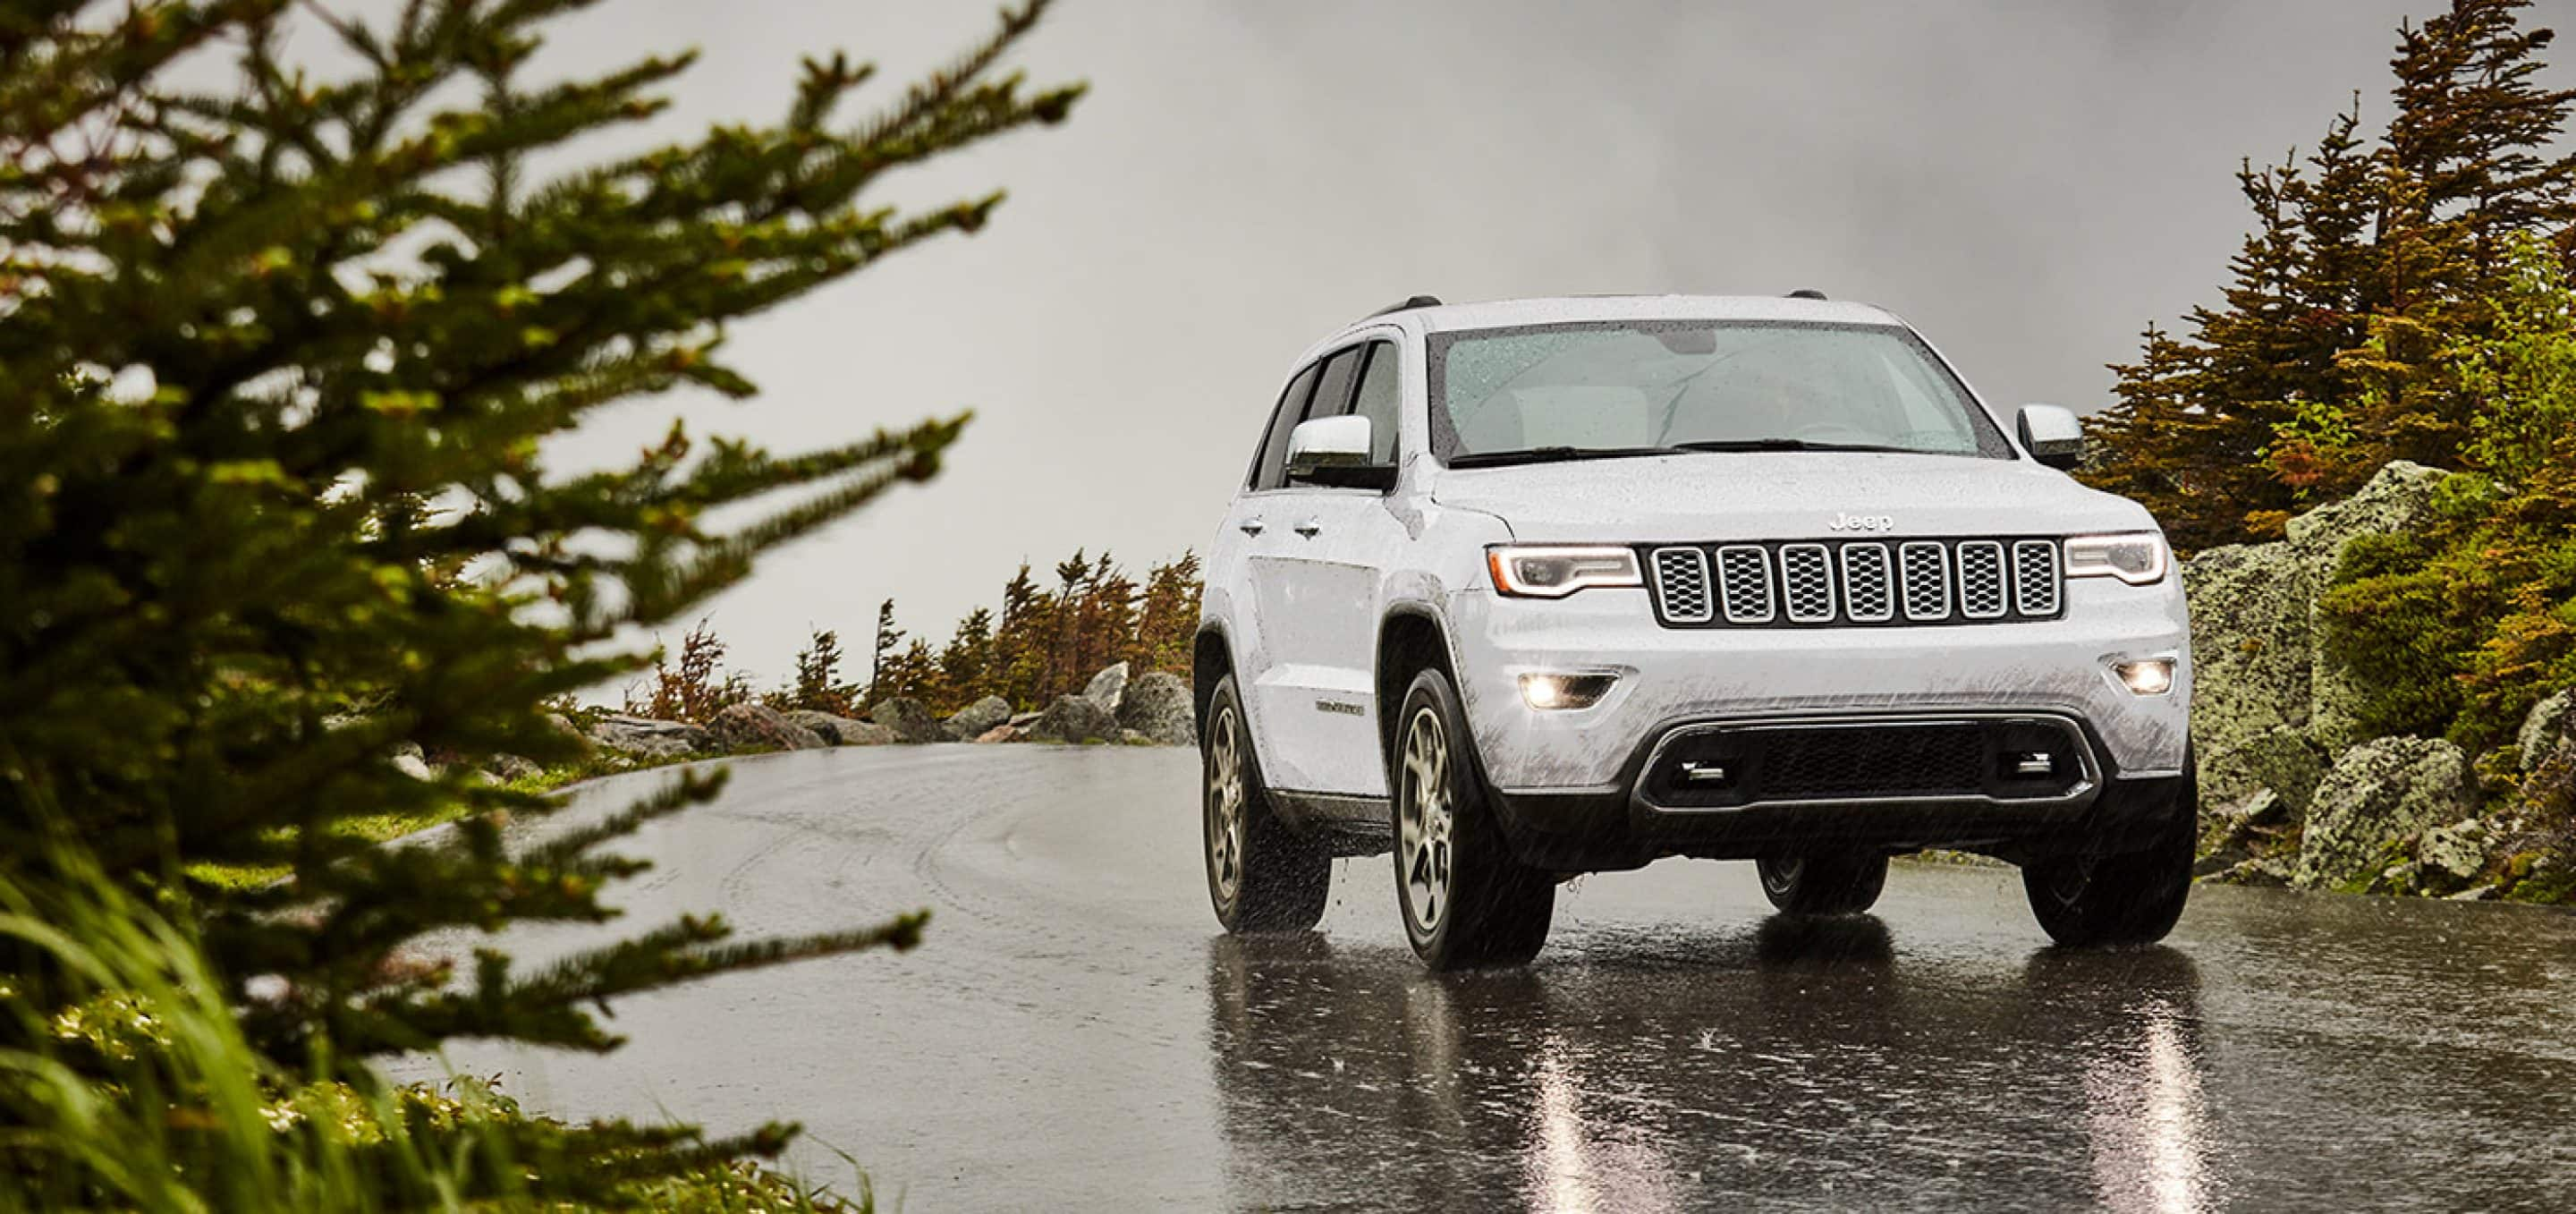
{"x":1643,"y":387}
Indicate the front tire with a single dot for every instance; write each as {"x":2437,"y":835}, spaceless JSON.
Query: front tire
{"x":1261,"y":877}
{"x":1466,"y":899}
{"x":1830,"y":883}
{"x":2131,"y":898}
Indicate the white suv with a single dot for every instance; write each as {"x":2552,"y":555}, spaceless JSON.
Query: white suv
{"x":1529,"y":589}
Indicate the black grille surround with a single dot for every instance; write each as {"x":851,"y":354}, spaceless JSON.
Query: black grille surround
{"x":1999,"y":758}
{"x":1856,"y":583}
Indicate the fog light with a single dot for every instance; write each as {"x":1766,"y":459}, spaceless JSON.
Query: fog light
{"x":2147,"y":676}
{"x":1554,"y":691}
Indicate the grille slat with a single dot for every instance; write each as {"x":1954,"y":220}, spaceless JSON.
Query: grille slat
{"x":1807,"y":583}
{"x":1814,"y":584}
{"x":1880,"y":762}
{"x":1924,"y":569}
{"x":1681,"y":582}
{"x":1869,"y":583}
{"x":2035,"y":577}
{"x":1744,"y":583}
{"x":1982,"y":592}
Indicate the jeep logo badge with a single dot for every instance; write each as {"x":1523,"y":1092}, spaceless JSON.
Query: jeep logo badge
{"x":1861,"y":522}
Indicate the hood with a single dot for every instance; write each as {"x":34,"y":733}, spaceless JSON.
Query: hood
{"x":1788,"y":495}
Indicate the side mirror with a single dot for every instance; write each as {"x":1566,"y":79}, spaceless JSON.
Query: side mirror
{"x":1334,"y":451}
{"x":2053,"y":436}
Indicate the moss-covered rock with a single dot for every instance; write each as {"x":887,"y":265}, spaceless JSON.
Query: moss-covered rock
{"x":2250,"y":656}
{"x":2378,"y":794}
{"x":2549,"y":729}
{"x":2268,"y":707}
{"x":2458,"y":851}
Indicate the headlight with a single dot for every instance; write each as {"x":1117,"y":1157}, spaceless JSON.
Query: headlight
{"x":1553,"y":573}
{"x":2137,"y":557}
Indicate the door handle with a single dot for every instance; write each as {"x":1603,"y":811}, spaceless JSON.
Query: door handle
{"x":1308,"y":528}
{"x":1250,"y":526}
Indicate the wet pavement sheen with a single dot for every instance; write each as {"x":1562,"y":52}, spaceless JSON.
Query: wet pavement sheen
{"x":1075,"y":1034}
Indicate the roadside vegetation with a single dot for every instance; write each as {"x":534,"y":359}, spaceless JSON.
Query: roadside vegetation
{"x":2402,"y":306}
{"x":282,"y":571}
{"x":1042,"y":643}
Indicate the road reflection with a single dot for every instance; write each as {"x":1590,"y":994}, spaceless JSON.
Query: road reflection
{"x":1801,"y":1063}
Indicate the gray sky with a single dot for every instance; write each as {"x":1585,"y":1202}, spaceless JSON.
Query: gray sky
{"x":2029,"y":182}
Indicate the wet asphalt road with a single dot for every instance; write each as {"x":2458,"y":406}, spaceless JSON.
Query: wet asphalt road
{"x":1076,"y":1035}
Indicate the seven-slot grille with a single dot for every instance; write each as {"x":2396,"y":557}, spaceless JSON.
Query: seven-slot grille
{"x":1814,"y":584}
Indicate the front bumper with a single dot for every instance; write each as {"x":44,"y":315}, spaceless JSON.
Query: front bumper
{"x":1596,"y":831}
{"x":1570,"y":782}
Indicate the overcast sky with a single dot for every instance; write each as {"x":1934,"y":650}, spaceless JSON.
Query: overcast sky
{"x":2028,"y":181}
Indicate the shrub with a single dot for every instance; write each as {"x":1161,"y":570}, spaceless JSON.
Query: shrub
{"x":281,"y":352}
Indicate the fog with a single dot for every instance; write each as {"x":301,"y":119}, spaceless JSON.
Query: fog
{"x":2030,"y":183}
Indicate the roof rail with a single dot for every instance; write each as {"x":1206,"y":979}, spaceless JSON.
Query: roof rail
{"x":1806,"y":293}
{"x":1418,"y":301}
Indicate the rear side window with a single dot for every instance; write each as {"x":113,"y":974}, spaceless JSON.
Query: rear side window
{"x":1269,"y":468}
{"x":1376,"y":401}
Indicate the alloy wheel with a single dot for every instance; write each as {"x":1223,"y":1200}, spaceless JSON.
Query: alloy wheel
{"x":1424,"y":822}
{"x":1225,"y":797}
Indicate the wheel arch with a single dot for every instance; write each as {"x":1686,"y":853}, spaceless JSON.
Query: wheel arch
{"x":1211,"y":659}
{"x":1410,"y":639}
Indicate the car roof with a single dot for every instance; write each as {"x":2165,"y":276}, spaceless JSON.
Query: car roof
{"x":1576,"y":309}
{"x":1509,"y":313}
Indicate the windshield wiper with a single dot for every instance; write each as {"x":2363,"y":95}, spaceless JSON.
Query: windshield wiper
{"x":1789,"y":444}
{"x":1550,"y":455}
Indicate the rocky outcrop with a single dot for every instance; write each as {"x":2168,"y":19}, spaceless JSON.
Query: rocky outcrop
{"x":1074,"y":718}
{"x":2293,"y":791}
{"x":1157,"y":706}
{"x":2458,"y":851}
{"x":651,"y":739}
{"x":978,"y":718}
{"x":2268,"y":707}
{"x":841,"y":731}
{"x":909,"y":720}
{"x":742,"y":726}
{"x":2375,"y":805}
{"x":409,"y":761}
{"x":1107,"y":688}
{"x":563,"y":725}
{"x":2549,"y":732}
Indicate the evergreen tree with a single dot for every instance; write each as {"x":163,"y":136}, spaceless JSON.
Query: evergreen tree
{"x":1023,"y":644}
{"x":1167,"y":624}
{"x":277,"y":361}
{"x":888,"y":644}
{"x":966,"y":665}
{"x":912,"y":674}
{"x":818,"y":676}
{"x":1104,"y":618}
{"x":2474,"y":129}
{"x":2366,"y":282}
{"x":1066,"y":614}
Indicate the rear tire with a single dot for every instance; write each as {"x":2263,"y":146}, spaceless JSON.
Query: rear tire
{"x":2132,"y":898}
{"x":1830,"y":883}
{"x":1466,"y":899}
{"x":1261,"y":876}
